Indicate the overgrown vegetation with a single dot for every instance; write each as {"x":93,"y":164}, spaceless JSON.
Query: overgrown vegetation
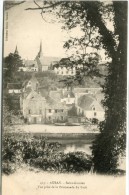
{"x":40,"y":153}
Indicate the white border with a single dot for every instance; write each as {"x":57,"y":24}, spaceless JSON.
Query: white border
{"x":1,"y":53}
{"x":127,"y":143}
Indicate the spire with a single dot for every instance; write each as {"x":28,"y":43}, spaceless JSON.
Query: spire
{"x":40,"y":50}
{"x":16,"y":51}
{"x":40,"y":46}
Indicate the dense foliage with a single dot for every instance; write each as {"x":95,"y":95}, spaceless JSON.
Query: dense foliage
{"x":38,"y":152}
{"x":11,"y":64}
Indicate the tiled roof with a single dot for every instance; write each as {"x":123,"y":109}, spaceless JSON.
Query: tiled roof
{"x":85,"y":90}
{"x":44,"y":92}
{"x":35,"y":95}
{"x":86,"y":102}
{"x":47,"y":60}
{"x":68,"y":93}
{"x":99,"y":96}
{"x":53,"y":104}
{"x":56,"y":94}
{"x":30,"y":63}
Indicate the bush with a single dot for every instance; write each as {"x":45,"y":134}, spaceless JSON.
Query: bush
{"x":38,"y":152}
{"x":75,"y":162}
{"x":95,"y":121}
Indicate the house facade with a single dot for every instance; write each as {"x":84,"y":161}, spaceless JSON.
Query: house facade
{"x":38,"y":107}
{"x":65,"y":71}
{"x":90,"y":108}
{"x":34,"y":108}
{"x":32,"y":84}
{"x":14,"y":88}
{"x":68,"y":97}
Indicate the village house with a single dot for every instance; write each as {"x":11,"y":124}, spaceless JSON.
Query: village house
{"x":95,"y":92}
{"x":38,"y":109}
{"x":90,"y":108}
{"x":14,"y":88}
{"x":38,"y":106}
{"x":65,"y":71}
{"x":55,"y":111}
{"x":68,"y":97}
{"x":22,"y":69}
{"x":63,"y":95}
{"x":33,"y":84}
{"x":30,"y":66}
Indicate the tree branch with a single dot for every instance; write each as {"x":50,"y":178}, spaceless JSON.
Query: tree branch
{"x":44,"y":7}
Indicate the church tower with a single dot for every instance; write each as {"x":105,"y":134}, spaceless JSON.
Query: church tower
{"x":40,"y":54}
{"x":16,"y":51}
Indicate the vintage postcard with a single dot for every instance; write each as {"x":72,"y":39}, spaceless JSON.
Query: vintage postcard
{"x":64,"y":97}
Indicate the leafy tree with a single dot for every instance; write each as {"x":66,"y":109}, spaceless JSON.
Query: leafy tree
{"x":11,"y":64}
{"x":111,"y":140}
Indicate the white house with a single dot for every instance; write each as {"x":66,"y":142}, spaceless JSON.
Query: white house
{"x":65,"y":71}
{"x":22,"y":68}
{"x":14,"y":88}
{"x":90,"y":108}
{"x":68,"y":97}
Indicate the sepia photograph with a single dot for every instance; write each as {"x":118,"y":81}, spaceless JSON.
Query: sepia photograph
{"x":64,"y":97}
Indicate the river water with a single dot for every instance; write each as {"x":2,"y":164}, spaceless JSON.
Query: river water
{"x":71,"y":138}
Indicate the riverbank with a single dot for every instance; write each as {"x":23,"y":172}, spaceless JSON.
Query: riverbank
{"x":43,"y":128}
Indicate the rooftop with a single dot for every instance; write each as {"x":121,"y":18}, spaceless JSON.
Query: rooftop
{"x":53,"y":104}
{"x":14,"y":86}
{"x":30,"y":63}
{"x":85,"y":102}
{"x":68,"y":93}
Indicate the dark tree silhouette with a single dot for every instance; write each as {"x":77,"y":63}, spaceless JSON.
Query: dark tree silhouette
{"x":11,"y":64}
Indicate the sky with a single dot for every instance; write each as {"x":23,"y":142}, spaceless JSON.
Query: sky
{"x":27,"y":28}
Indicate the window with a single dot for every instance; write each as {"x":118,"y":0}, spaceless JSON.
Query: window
{"x":49,"y":110}
{"x":61,"y":110}
{"x":95,"y":114}
{"x":49,"y":118}
{"x":93,"y":108}
{"x":62,"y":118}
{"x":40,"y":111}
{"x":29,"y":111}
{"x":55,"y":111}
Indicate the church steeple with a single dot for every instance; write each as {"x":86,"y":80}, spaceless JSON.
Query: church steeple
{"x":40,"y":50}
{"x":16,"y":51}
{"x":40,"y":46}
